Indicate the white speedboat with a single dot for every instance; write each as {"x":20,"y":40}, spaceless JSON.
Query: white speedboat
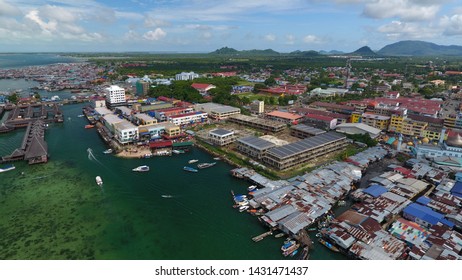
{"x":193,"y":161}
{"x":7,"y":168}
{"x":99,"y":181}
{"x":108,"y":151}
{"x":142,"y":168}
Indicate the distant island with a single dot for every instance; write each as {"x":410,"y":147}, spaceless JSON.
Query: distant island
{"x":401,"y":48}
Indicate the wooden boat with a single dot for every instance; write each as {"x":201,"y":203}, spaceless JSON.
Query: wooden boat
{"x":89,"y":126}
{"x":206,"y":165}
{"x":328,"y":245}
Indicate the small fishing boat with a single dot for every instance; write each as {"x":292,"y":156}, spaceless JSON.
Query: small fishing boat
{"x":279,"y":235}
{"x":193,"y":161}
{"x":289,"y":247}
{"x":99,"y":181}
{"x":243,"y":208}
{"x":141,"y":168}
{"x":80,"y":116}
{"x":178,"y":152}
{"x":108,"y":151}
{"x":328,"y":245}
{"x":206,"y":165}
{"x":190,"y":169}
{"x":7,"y":167}
{"x":167,"y":196}
{"x":217,"y":158}
{"x":89,"y":126}
{"x":252,"y":188}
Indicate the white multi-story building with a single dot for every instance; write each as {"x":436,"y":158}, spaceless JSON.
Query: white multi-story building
{"x":188,"y":118}
{"x":184,"y":76}
{"x":115,"y":95}
{"x":125,"y":132}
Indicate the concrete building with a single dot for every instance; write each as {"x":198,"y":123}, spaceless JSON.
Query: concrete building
{"x":257,"y":107}
{"x":144,"y":119}
{"x":142,"y":87}
{"x":358,"y":128}
{"x":125,"y":132}
{"x":163,"y":114}
{"x":303,"y":131}
{"x":254,"y":147}
{"x":184,"y":76}
{"x":221,"y":137}
{"x":115,"y":95}
{"x":377,"y":121}
{"x":284,"y":117}
{"x":217,"y":111}
{"x":287,"y":156}
{"x":260,"y":123}
{"x":320,"y":121}
{"x":188,"y":118}
{"x":98,"y":102}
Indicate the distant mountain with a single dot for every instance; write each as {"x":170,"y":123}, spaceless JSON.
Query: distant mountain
{"x":419,"y":48}
{"x":364,"y":51}
{"x":331,"y":52}
{"x":234,"y":52}
{"x":305,"y":53}
{"x":225,"y":50}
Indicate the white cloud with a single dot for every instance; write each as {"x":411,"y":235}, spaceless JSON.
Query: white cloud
{"x":270,"y":37}
{"x":312,"y":39}
{"x":60,"y":14}
{"x":7,"y":9}
{"x":290,"y":39}
{"x":452,"y":25}
{"x":151,"y":21}
{"x":397,"y":30}
{"x":155,"y":35}
{"x":206,"y":35}
{"x":407,"y":10}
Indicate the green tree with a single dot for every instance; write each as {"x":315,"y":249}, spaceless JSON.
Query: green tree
{"x":14,"y":98}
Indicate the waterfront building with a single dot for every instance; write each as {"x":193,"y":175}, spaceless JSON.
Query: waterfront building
{"x":143,"y":119}
{"x":284,"y":117}
{"x":156,"y":105}
{"x":303,"y":131}
{"x":377,"y":121}
{"x":424,"y":215}
{"x":115,"y":95}
{"x":184,"y":76}
{"x":163,"y":114}
{"x":358,"y":128}
{"x":125,"y":132}
{"x":217,"y":111}
{"x":172,"y":131}
{"x":259,"y":123}
{"x":188,"y":118}
{"x":98,"y":102}
{"x":257,"y":107}
{"x":110,"y":120}
{"x":102,"y":111}
{"x":221,"y":137}
{"x":287,"y":156}
{"x":254,"y":147}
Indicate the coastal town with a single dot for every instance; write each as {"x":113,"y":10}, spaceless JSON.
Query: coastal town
{"x":372,"y":143}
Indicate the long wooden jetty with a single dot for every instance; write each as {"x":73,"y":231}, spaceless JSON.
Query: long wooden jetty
{"x":262,"y":236}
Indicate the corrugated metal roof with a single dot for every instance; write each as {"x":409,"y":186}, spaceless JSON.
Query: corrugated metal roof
{"x":375,"y":190}
{"x":256,"y":142}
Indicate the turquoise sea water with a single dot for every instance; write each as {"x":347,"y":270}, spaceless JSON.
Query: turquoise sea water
{"x":56,"y":210}
{"x":17,"y":60}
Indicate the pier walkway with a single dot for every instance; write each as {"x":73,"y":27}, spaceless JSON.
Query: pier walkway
{"x":33,"y":148}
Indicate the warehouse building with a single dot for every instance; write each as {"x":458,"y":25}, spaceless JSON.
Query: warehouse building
{"x":287,"y":156}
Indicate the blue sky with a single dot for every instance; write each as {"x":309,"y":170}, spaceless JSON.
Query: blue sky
{"x":205,"y":25}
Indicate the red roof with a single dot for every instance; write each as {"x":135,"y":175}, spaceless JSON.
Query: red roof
{"x":284,"y":115}
{"x":160,"y":144}
{"x":319,"y":117}
{"x":200,"y":86}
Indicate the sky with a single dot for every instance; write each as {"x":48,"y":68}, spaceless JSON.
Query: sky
{"x":205,"y":25}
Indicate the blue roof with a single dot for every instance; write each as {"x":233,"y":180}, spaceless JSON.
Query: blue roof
{"x":375,"y":190}
{"x":391,"y":140}
{"x":423,"y":213}
{"x":448,"y":223}
{"x":423,"y":200}
{"x":457,"y":189}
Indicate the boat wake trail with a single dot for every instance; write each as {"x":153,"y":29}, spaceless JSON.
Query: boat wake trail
{"x":92,"y":157}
